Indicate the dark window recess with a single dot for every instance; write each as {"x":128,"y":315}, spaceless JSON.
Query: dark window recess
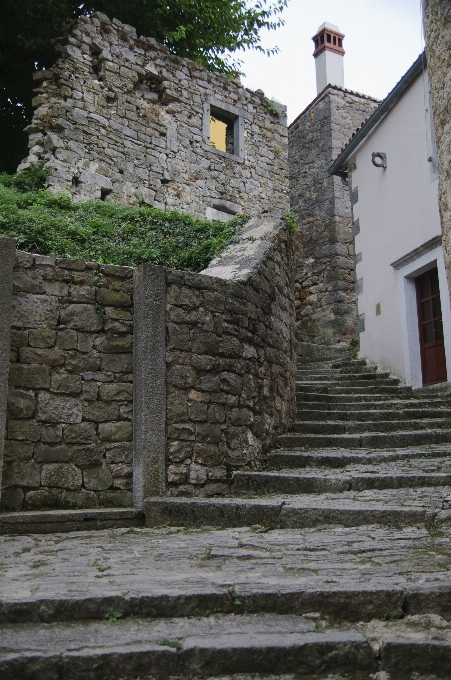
{"x":316,"y":44}
{"x":222,"y":130}
{"x":433,"y":359}
{"x":321,"y":37}
{"x":329,"y":37}
{"x":340,"y":42}
{"x":335,"y":40}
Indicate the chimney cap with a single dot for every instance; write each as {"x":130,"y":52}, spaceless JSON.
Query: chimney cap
{"x":328,"y":37}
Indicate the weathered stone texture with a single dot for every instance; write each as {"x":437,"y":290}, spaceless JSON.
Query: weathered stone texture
{"x":325,"y":308}
{"x":118,"y":117}
{"x":230,"y":363}
{"x":62,"y":429}
{"x":437,"y":20}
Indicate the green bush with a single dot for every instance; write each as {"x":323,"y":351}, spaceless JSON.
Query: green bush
{"x":54,"y":224}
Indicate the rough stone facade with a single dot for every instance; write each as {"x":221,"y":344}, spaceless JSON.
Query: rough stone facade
{"x":437,"y":21}
{"x":68,"y":428}
{"x":119,"y":118}
{"x":321,"y":204}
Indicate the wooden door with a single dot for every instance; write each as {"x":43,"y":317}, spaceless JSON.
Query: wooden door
{"x":433,"y":359}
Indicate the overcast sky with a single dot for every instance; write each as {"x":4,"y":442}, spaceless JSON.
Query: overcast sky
{"x":382,"y":39}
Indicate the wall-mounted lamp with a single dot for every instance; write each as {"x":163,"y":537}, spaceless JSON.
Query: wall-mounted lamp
{"x":379,"y":159}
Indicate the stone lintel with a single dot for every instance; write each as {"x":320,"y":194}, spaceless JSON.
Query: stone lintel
{"x":8,"y":257}
{"x":149,"y":384}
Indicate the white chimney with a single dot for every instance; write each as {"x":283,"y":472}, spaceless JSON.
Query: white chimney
{"x":328,"y":56}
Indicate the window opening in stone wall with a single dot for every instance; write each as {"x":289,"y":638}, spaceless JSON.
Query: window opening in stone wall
{"x":340,"y":42}
{"x":322,"y":39}
{"x":329,"y":38}
{"x":335,"y":40}
{"x":222,"y":130}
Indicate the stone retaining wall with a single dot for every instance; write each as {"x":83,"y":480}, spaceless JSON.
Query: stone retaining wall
{"x":118,"y":117}
{"x":325,"y":303}
{"x":68,"y":429}
{"x":211,"y":377}
{"x":228,"y":389}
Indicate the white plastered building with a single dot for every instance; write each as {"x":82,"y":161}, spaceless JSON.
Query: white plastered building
{"x":403,"y":303}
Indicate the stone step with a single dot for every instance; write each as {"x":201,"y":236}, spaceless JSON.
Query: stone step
{"x":342,"y":378}
{"x":388,"y":475}
{"x":49,"y":521}
{"x":374,"y":400}
{"x":355,"y":427}
{"x":373,"y":440}
{"x":341,"y":457}
{"x":389,"y":385}
{"x":407,"y":412}
{"x":215,"y":646}
{"x":399,"y":507}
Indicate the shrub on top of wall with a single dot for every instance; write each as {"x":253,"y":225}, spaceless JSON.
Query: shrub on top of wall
{"x":54,"y":224}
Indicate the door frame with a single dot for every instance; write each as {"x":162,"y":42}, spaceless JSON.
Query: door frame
{"x":408,"y":294}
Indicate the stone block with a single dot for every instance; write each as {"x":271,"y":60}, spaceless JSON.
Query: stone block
{"x":119,"y":453}
{"x":97,"y":478}
{"x":116,"y":499}
{"x":177,"y":474}
{"x":230,"y":383}
{"x":82,"y":433}
{"x":44,"y":453}
{"x":19,"y":338}
{"x":181,"y":376}
{"x":183,"y":431}
{"x":208,"y":433}
{"x":53,"y":408}
{"x":113,"y":298}
{"x":61,"y":476}
{"x":81,"y":318}
{"x":34,"y":311}
{"x":117,"y":363}
{"x":207,"y":454}
{"x":197,"y":411}
{"x":100,"y":411}
{"x":179,"y":451}
{"x":216,"y":413}
{"x":32,"y":376}
{"x":88,"y":454}
{"x":41,"y":338}
{"x":12,"y":500}
{"x":21,"y":474}
{"x":67,"y":383}
{"x":116,"y":391}
{"x":48,"y":357}
{"x":114,"y":343}
{"x":81,"y":293}
{"x":43,"y":499}
{"x":51,"y":434}
{"x":197,"y":474}
{"x":82,"y":363}
{"x":241,"y":416}
{"x":24,"y":430}
{"x":85,"y":342}
{"x":89,"y":390}
{"x":16,"y":451}
{"x":21,"y":404}
{"x":77,"y":500}
{"x":116,"y":432}
{"x":66,"y":339}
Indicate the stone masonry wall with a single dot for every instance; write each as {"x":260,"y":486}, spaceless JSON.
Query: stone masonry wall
{"x":68,"y":429}
{"x":325,"y":306}
{"x":230,"y":361}
{"x":437,"y":21}
{"x":120,"y":118}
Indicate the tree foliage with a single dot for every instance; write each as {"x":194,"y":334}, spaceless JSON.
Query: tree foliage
{"x":207,"y":32}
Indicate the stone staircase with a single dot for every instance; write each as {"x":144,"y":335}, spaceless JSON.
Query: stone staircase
{"x":332,"y":562}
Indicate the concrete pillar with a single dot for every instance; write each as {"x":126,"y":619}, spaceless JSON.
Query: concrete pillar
{"x":7,"y":258}
{"x":149,"y":383}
